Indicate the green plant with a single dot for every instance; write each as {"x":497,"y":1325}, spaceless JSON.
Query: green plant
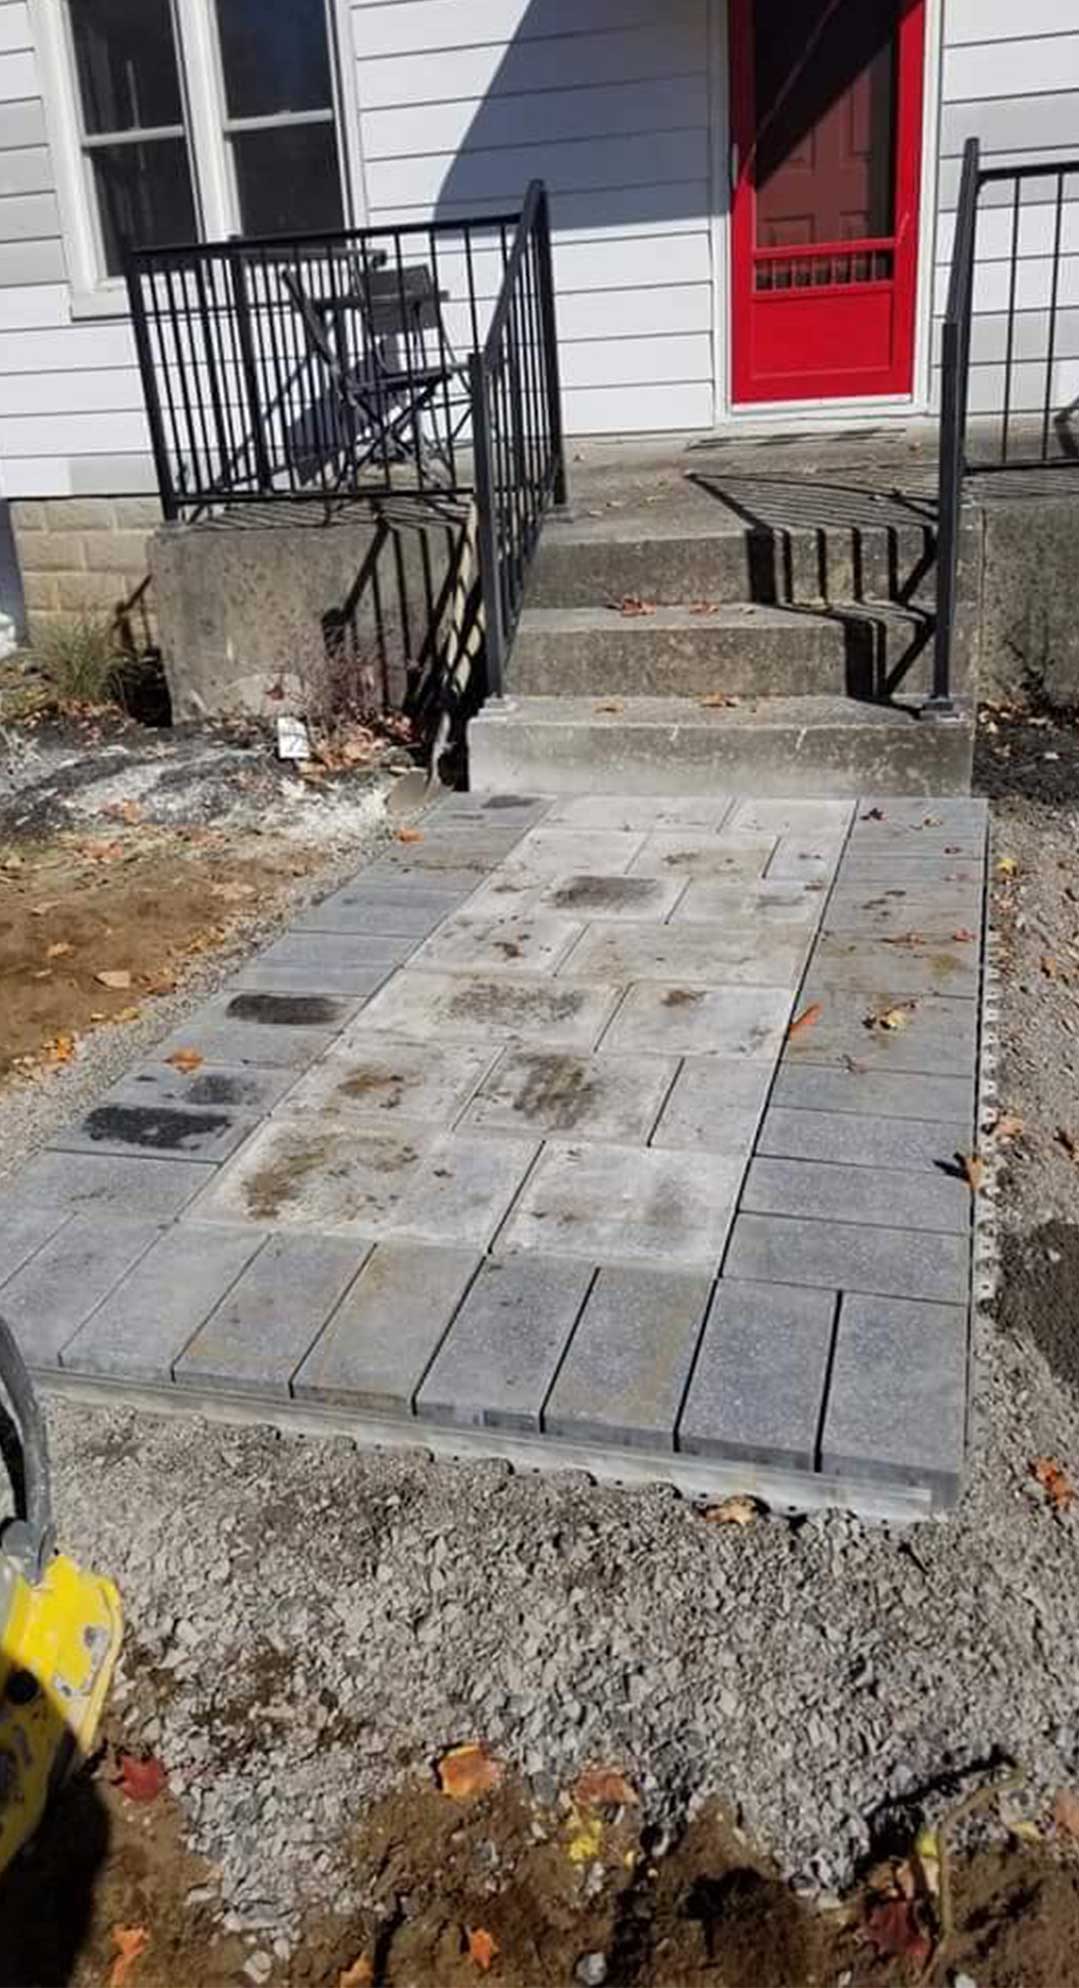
{"x":84,"y":660}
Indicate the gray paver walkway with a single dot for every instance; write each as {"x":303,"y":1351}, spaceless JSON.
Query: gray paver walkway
{"x":508,"y":1146}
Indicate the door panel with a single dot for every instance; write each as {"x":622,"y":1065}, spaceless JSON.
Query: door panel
{"x":827,"y":117}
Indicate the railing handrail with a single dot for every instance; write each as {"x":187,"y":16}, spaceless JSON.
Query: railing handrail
{"x":535,"y":194}
{"x":308,"y":243}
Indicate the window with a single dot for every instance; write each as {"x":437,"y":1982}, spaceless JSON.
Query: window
{"x":132,"y":124}
{"x":219,"y":110}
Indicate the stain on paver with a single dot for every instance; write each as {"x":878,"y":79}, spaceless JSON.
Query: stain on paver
{"x":278,"y":1185}
{"x":586,"y":893}
{"x":556,"y":1089}
{"x":293,"y":1010}
{"x":679,"y":997}
{"x":509,"y":1006}
{"x":368,"y":1078}
{"x":216,"y":1089}
{"x":154,"y":1127}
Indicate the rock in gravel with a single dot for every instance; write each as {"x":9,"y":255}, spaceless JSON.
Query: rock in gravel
{"x":591,"y":1970}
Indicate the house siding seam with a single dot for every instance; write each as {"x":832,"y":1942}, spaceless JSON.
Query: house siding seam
{"x":1010,"y":77}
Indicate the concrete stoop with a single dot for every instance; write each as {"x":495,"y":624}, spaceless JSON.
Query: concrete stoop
{"x":667,"y":594}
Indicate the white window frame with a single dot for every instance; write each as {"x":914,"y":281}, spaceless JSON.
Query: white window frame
{"x":95,"y":294}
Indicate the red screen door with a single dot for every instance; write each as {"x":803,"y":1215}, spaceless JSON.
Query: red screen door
{"x":826,"y":115}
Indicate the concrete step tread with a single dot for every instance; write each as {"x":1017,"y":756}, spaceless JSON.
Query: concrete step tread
{"x":721,"y":616}
{"x":749,"y":712}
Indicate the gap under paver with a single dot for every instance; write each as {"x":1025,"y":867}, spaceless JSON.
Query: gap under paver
{"x":505,"y":1148}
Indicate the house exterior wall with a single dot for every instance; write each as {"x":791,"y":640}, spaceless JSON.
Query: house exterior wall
{"x":618,"y":105}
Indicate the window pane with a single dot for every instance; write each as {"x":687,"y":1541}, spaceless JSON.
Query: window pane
{"x":126,"y":59}
{"x":288,"y":179}
{"x":144,"y":197}
{"x":275,"y":56}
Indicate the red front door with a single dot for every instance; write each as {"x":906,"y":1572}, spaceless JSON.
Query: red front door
{"x":826,"y":117}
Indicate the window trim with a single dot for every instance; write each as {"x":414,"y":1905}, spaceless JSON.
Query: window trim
{"x":92,"y":293}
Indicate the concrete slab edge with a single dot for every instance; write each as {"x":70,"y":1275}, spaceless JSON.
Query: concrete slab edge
{"x":787,"y":1493}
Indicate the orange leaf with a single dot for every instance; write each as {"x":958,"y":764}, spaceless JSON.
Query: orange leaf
{"x":890,"y":1019}
{"x":1055,"y":1482}
{"x":973,"y":1170}
{"x":468,"y":1770}
{"x":185,"y":1060}
{"x":964,"y":937}
{"x":892,"y":1927}
{"x":59,"y":1049}
{"x":360,"y":1975}
{"x":737,"y":1511}
{"x":1007,"y":1126}
{"x":482,"y":1948}
{"x":718,"y":700}
{"x":808,"y":1019}
{"x":410,"y":834}
{"x":130,"y":1942}
{"x":1066,"y":1812}
{"x":59,"y":951}
{"x":605,"y":1787}
{"x":140,"y":1779}
{"x":632,"y":604}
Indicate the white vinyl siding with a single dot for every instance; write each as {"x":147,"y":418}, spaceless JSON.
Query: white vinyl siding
{"x":608,"y":102}
{"x":1011,"y":79}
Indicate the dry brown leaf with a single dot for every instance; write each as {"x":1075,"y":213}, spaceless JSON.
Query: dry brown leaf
{"x":116,"y":977}
{"x":407,"y":834}
{"x":130,"y":1942}
{"x":737,"y":1511}
{"x":1006,"y":866}
{"x":1007,"y":1126}
{"x":140,"y":1777}
{"x":1049,"y":966}
{"x":59,"y":951}
{"x":904,"y":939}
{"x":964,"y":937}
{"x":613,"y":704}
{"x":43,"y":910}
{"x":704,"y":607}
{"x":102,"y":852}
{"x":604,"y":1787}
{"x":1055,"y":1482}
{"x":1066,"y":1812}
{"x":126,"y":1015}
{"x":59,"y":1048}
{"x":185,"y":1060}
{"x":482,"y":1948}
{"x":973,"y":1170}
{"x":632,"y":604}
{"x":128,"y":811}
{"x":718,"y":700}
{"x":360,"y":1975}
{"x":890,"y":1019}
{"x":468,"y":1770}
{"x":893,"y":1927}
{"x":872,"y":814}
{"x":808,"y":1018}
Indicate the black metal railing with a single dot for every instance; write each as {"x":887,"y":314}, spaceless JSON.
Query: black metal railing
{"x":517,"y":430}
{"x":1028,"y":422}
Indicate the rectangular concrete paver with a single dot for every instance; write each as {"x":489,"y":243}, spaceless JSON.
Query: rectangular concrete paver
{"x":926,"y":1146}
{"x":47,"y":1300}
{"x":394,"y":909}
{"x":715,"y":1105}
{"x":624,"y":1373}
{"x":169,"y":1131}
{"x":25,"y":1223}
{"x":691,"y":856}
{"x":932,"y":1038}
{"x":496,"y":1364}
{"x":382,"y":1078}
{"x":351,"y":983}
{"x":933,"y":966}
{"x":261,"y":1331}
{"x":111,"y":1185}
{"x":876,"y":1093}
{"x":851,"y":1256}
{"x":220,"y":1039}
{"x":801,"y":819}
{"x":730,"y":1021}
{"x":140,"y":1330}
{"x":364,"y":951}
{"x":642,"y":815}
{"x":540,"y":1092}
{"x":751,"y":906}
{"x":757,"y":1391}
{"x":208,"y":1086}
{"x":525,"y":1007}
{"x":694,"y":955}
{"x":616,"y":1204}
{"x":378,"y":1345}
{"x":535,"y":940}
{"x":889,"y":1196}
{"x":896,"y":1403}
{"x":609,"y":899}
{"x":553,"y":852}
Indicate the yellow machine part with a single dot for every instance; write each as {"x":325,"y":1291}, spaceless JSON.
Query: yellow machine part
{"x":59,"y":1640}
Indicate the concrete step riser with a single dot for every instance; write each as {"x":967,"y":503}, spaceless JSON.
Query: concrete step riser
{"x":774,"y":760}
{"x":833,"y":564}
{"x":863,"y":656}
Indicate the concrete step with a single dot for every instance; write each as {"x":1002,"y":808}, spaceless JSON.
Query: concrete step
{"x":786,"y":746}
{"x":871,"y":651}
{"x":673,"y":558}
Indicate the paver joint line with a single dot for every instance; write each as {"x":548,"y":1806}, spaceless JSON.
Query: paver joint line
{"x":510,"y":1134}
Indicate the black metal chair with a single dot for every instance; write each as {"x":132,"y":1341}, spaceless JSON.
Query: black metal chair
{"x":392,"y":383}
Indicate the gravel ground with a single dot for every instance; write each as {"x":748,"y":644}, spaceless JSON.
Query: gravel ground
{"x":309,"y":1624}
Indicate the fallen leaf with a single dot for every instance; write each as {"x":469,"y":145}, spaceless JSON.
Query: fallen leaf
{"x":1049,"y":966}
{"x":1007,"y":1126}
{"x":704,"y":607}
{"x":964,"y":937}
{"x":59,"y":1048}
{"x":276,"y":691}
{"x":973,"y":1170}
{"x":890,"y":1019}
{"x":1055,"y":1482}
{"x":468,"y":1770}
{"x":163,"y":983}
{"x":11,"y":863}
{"x":130,"y":1942}
{"x":117,"y":977}
{"x":59,"y":951}
{"x":102,"y":852}
{"x":1066,"y":1812}
{"x":614,"y":704}
{"x":128,"y":811}
{"x":718,"y":700}
{"x":808,"y":1018}
{"x":126,"y":1015}
{"x":737,"y":1511}
{"x":186,"y":1060}
{"x":407,"y":834}
{"x":1006,"y":866}
{"x":584,"y":1836}
{"x":140,"y":1778}
{"x":632,"y":604}
{"x":482,"y":1948}
{"x":360,"y":1975}
{"x":892,"y":1927}
{"x":873,"y":814}
{"x":605,"y":1787}
{"x":42,"y":910}
{"x":904,"y":939}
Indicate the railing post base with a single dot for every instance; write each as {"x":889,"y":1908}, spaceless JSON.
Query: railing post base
{"x":938,"y":710}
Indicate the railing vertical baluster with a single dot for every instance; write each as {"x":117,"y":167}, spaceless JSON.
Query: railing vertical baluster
{"x":488,"y":534}
{"x":162,"y":465}
{"x":550,"y":349}
{"x":1054,"y":299}
{"x":1009,"y":348}
{"x":250,"y":374}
